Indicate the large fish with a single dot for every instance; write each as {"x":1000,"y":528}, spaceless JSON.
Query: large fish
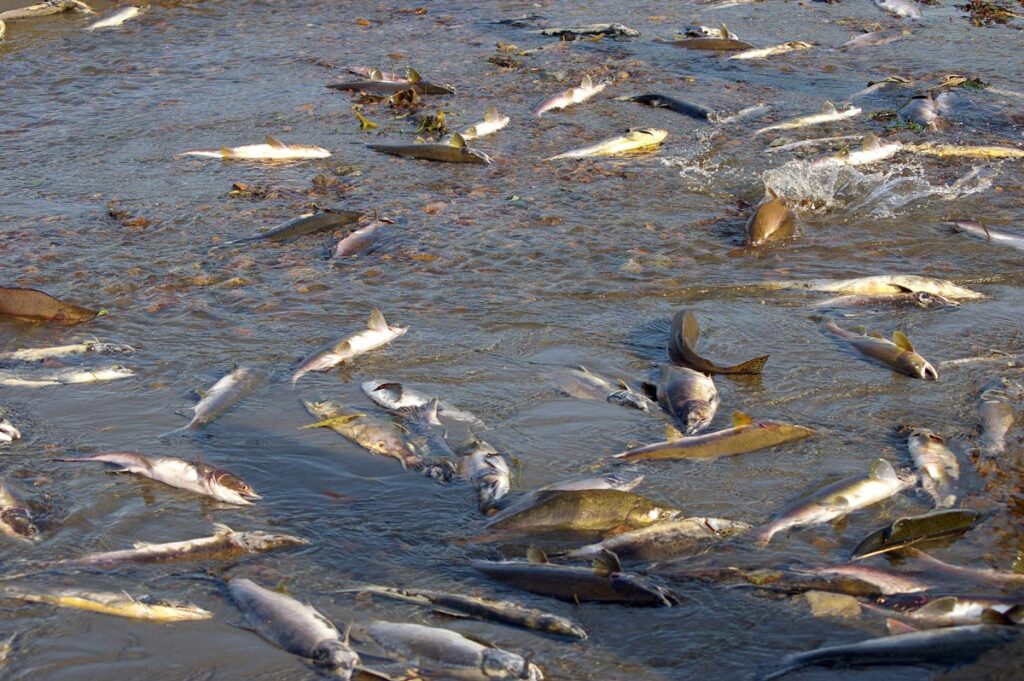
{"x":492,"y":122}
{"x":899,"y":8}
{"x":376,"y":334}
{"x":689,"y":397}
{"x":828,"y":114}
{"x":305,"y":224}
{"x":925,"y":111}
{"x":661,"y":541}
{"x":898,"y":353}
{"x":228,"y":391}
{"x":839,"y":499}
{"x":682,"y":349}
{"x":744,"y":437}
{"x":977,"y":229}
{"x":393,"y":396}
{"x":29,"y":303}
{"x":66,"y":376}
{"x":573,"y":95}
{"x":996,"y":417}
{"x":488,"y":471}
{"x":196,"y":477}
{"x":43,"y":9}
{"x":451,"y":150}
{"x":116,"y":19}
{"x":872,"y":150}
{"x":965,"y":151}
{"x":904,"y":532}
{"x":8,"y":433}
{"x":879,"y":285}
{"x":584,"y":384}
{"x":852,"y":580}
{"x":720,"y":43}
{"x":589,"y":510}
{"x":377,"y":82}
{"x":636,"y":139}
{"x":929,"y":611}
{"x":16,"y":519}
{"x":270,"y":150}
{"x":925,"y":301}
{"x":937,"y":464}
{"x":375,"y":435}
{"x":296,"y":627}
{"x":765,"y":52}
{"x":695,"y":111}
{"x":772,"y":220}
{"x":119,"y":604}
{"x":88,"y":347}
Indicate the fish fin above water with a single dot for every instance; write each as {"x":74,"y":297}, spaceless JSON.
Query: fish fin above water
{"x":225,"y":152}
{"x":740,"y":418}
{"x":939,"y":606}
{"x":870,"y":142}
{"x":829,"y":108}
{"x":412,"y":75}
{"x":275,"y":143}
{"x":691,"y":330}
{"x":586,"y":83}
{"x":458,"y":141}
{"x":723,"y":32}
{"x":376,"y":74}
{"x":376,"y":321}
{"x":536,"y":555}
{"x":491,"y":113}
{"x":901,"y":341}
{"x":897,"y":627}
{"x":990,"y":616}
{"x":673,"y":434}
{"x":221,"y":529}
{"x":752,"y":366}
{"x":139,"y":545}
{"x":883,"y":470}
{"x":875,"y":334}
{"x":606,"y":563}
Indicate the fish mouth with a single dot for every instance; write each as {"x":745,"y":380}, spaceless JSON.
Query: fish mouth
{"x":929,"y":373}
{"x":8,"y":433}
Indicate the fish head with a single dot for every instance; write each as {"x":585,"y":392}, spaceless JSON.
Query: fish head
{"x":931,"y":301}
{"x":232,"y":484}
{"x":440,"y":469}
{"x":259,"y":541}
{"x":336,"y":656}
{"x":699,"y":416}
{"x":8,"y":433}
{"x":647,"y":513}
{"x":916,"y":365}
{"x":630,"y":398}
{"x":501,"y":664}
{"x":475,"y":156}
{"x":903,"y":602}
{"x":18,"y":522}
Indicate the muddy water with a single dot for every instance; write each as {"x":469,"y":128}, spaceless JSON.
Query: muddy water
{"x":502,"y":273}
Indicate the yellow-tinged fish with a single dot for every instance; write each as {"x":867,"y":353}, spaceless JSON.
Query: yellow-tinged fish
{"x":773,"y":220}
{"x":573,"y":95}
{"x":898,"y":353}
{"x":117,"y":604}
{"x":492,"y":122}
{"x":764,"y":52}
{"x":634,"y":140}
{"x":969,"y":151}
{"x":271,"y":150}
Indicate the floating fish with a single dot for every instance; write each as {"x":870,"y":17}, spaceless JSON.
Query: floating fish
{"x":492,"y":122}
{"x":968,"y":151}
{"x":228,"y":391}
{"x":682,"y":349}
{"x":67,"y":376}
{"x":996,"y":416}
{"x":390,"y":84}
{"x":634,"y":140}
{"x":931,"y":611}
{"x":270,"y":150}
{"x":584,"y":384}
{"x":875,"y":38}
{"x":829,"y":114}
{"x":664,"y":540}
{"x":925,"y":301}
{"x":872,"y":150}
{"x":117,"y":18}
{"x":377,"y":334}
{"x":938,"y":466}
{"x":392,"y":395}
{"x":28,"y":303}
{"x":43,"y":9}
{"x":689,"y":397}
{"x":375,"y":435}
{"x":977,"y":229}
{"x":613,"y":30}
{"x":899,"y":8}
{"x":452,"y":150}
{"x":695,"y":111}
{"x":573,"y":95}
{"x":588,"y":510}
{"x":898,"y":353}
{"x":303,"y":225}
{"x":883,"y":284}
{"x":88,"y":347}
{"x":359,"y":240}
{"x":765,"y":52}
{"x":119,"y":604}
{"x":488,"y":471}
{"x":925,"y":111}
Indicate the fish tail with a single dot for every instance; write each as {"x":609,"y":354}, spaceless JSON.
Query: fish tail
{"x":177,"y":432}
{"x":753,"y":366}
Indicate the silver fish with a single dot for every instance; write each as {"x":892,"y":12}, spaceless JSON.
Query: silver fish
{"x":117,"y":18}
{"x":924,"y":111}
{"x":377,"y":333}
{"x":828,"y":114}
{"x":689,"y":397}
{"x":584,"y":384}
{"x":883,"y":284}
{"x":937,"y":464}
{"x":488,"y":471}
{"x":573,"y":95}
{"x":930,"y":611}
{"x":898,"y":353}
{"x":925,"y":301}
{"x":996,"y":417}
{"x":8,"y":433}
{"x":43,"y":9}
{"x":392,"y":395}
{"x":665,"y":540}
{"x":622,"y":481}
{"x":426,"y":433}
{"x":296,"y":627}
{"x":271,"y":150}
{"x":16,"y":519}
{"x":228,"y":391}
{"x":88,"y":347}
{"x":66,"y":376}
{"x":358,"y":241}
{"x":875,"y":38}
{"x":977,"y":229}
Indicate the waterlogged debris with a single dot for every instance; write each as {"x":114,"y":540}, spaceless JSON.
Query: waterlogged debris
{"x":447,"y":653}
{"x":68,"y":376}
{"x":88,"y":347}
{"x":682,"y":349}
{"x":119,"y":604}
{"x":875,"y":38}
{"x":938,"y":466}
{"x":695,"y":111}
{"x":377,"y":334}
{"x":296,"y":627}
{"x":584,"y":384}
{"x":880,"y":285}
{"x":605,"y":583}
{"x":8,"y":433}
{"x":573,"y":95}
{"x":271,"y":150}
{"x":117,"y":18}
{"x":927,"y":611}
{"x":765,"y":52}
{"x":664,"y":540}
{"x":981,"y":231}
{"x":829,"y":114}
{"x":965,"y":151}
{"x":492,"y":122}
{"x":839,"y":499}
{"x":228,"y":391}
{"x":393,"y":396}
{"x":488,"y":471}
{"x":633,"y":140}
{"x":28,"y":303}
{"x":196,"y":476}
{"x":452,"y":150}
{"x":689,"y":397}
{"x":772,"y":220}
{"x":899,"y":8}
{"x":588,"y":510}
{"x":43,"y":9}
{"x":996,"y":416}
{"x":375,"y":435}
{"x":485,"y":609}
{"x":303,"y":225}
{"x":934,"y":647}
{"x":911,"y":530}
{"x":744,"y":437}
{"x":612,"y":30}
{"x":898,"y":353}
{"x":16,"y":519}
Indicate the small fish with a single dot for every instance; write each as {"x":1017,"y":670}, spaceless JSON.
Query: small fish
{"x":613,"y":30}
{"x":695,"y":111}
{"x":67,"y":376}
{"x":8,"y":433}
{"x":452,"y":150}
{"x":228,"y":391}
{"x":839,"y":499}
{"x":303,"y":225}
{"x":43,"y":9}
{"x":682,"y":349}
{"x":765,"y":52}
{"x":584,"y":384}
{"x":938,"y":466}
{"x":377,"y":334}
{"x":689,"y":397}
{"x":633,"y":140}
{"x":393,"y":396}
{"x":375,"y":435}
{"x":829,"y":114}
{"x":898,"y":353}
{"x":772,"y":220}
{"x":117,"y":18}
{"x":965,"y":151}
{"x":196,"y":477}
{"x":879,"y":285}
{"x":995,"y":414}
{"x":359,"y":240}
{"x":573,"y":95}
{"x":663,"y":541}
{"x":270,"y":150}
{"x":88,"y":347}
{"x":977,"y":229}
{"x":119,"y":604}
{"x":925,"y":111}
{"x":296,"y":627}
{"x":875,"y":38}
{"x":16,"y":519}
{"x":488,"y":471}
{"x":744,"y":437}
{"x":744,"y":113}
{"x":899,"y":8}
{"x":872,"y":150}
{"x":492,"y":122}
{"x":904,"y":532}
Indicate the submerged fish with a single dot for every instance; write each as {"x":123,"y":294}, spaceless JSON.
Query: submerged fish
{"x":228,"y":391}
{"x":682,"y":349}
{"x":899,"y":8}
{"x":573,"y":95}
{"x":373,"y":434}
{"x":744,"y":437}
{"x":16,"y":519}
{"x":451,"y":150}
{"x":930,"y":611}
{"x":772,"y":220}
{"x":872,"y":150}
{"x":88,"y":347}
{"x":488,"y":471}
{"x":883,"y":284}
{"x":664,"y":540}
{"x":996,"y":417}
{"x":67,"y":376}
{"x":633,"y":140}
{"x":975,"y":228}
{"x":43,"y":9}
{"x":689,"y":397}
{"x":938,"y":466}
{"x":624,"y":482}
{"x":425,"y":432}
{"x":8,"y":433}
{"x":270,"y":150}
{"x":695,"y":111}
{"x":926,"y":301}
{"x":305,"y":224}
{"x":359,"y":240}
{"x":829,"y":114}
{"x":898,"y":353}
{"x":584,"y":384}
{"x":875,"y":38}
{"x":614,"y":30}
{"x":377,"y":334}
{"x":699,"y":31}
{"x":485,"y":609}
{"x":119,"y":604}
{"x":925,"y":111}
{"x":839,"y":499}
{"x":296,"y":627}
{"x":116,"y":19}
{"x":197,"y":477}
{"x":378,"y":82}
{"x":969,"y":151}
{"x":911,"y":530}
{"x":587,"y":510}
{"x":392,"y":395}
{"x":719,"y":43}
{"x":492,"y":122}
{"x":765,"y":52}
{"x":852,"y":580}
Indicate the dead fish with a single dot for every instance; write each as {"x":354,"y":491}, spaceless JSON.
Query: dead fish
{"x":872,"y":150}
{"x":492,"y":122}
{"x":296,"y":627}
{"x":589,"y":510}
{"x":225,"y":543}
{"x":932,"y":610}
{"x":904,"y":532}
{"x":839,"y":499}
{"x":374,"y":73}
{"x":689,"y":397}
{"x":965,"y":151}
{"x":88,"y":347}
{"x":924,"y":111}
{"x":977,"y":229}
{"x":899,"y":8}
{"x":875,"y":86}
{"x":898,"y":353}
{"x":425,"y":432}
{"x":624,"y":482}
{"x":699,"y":31}
{"x":682,"y":349}
{"x":925,"y":301}
{"x":488,"y":471}
{"x":117,"y":18}
{"x":612,"y":30}
{"x":270,"y":150}
{"x":879,"y":285}
{"x":584,"y":384}
{"x":359,"y":240}
{"x":828,"y":114}
{"x":16,"y":519}
{"x":119,"y":604}
{"x":196,"y":477}
{"x":66,"y":376}
{"x":8,"y":433}
{"x":695,"y":111}
{"x":3,"y":29}
{"x":662,"y":541}
{"x":573,"y":95}
{"x":765,"y":52}
{"x":392,"y":395}
{"x":377,"y":334}
{"x":43,"y":9}
{"x":875,"y":38}
{"x":633,"y":140}
{"x":773,"y":220}
{"x":704,"y":38}
{"x":452,"y":150}
{"x":28,"y":303}
{"x":375,"y":435}
{"x":377,"y":83}
{"x":938,"y":466}
{"x":228,"y":391}
{"x":303,"y":225}
{"x":744,"y":437}
{"x":850,"y":579}
{"x":986,"y":576}
{"x":485,"y":609}
{"x":996,"y":416}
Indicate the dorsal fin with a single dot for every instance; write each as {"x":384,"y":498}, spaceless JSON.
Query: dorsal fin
{"x":586,"y":83}
{"x":901,"y":340}
{"x":276,"y":143}
{"x":740,"y":418}
{"x":342,"y":347}
{"x":897,"y":627}
{"x":412,"y":75}
{"x":491,"y":113}
{"x":691,"y":330}
{"x":990,"y":616}
{"x":882,"y":470}
{"x":724,"y":32}
{"x":458,"y":141}
{"x":535,"y":555}
{"x":828,"y":108}
{"x":940,"y":606}
{"x":875,"y":334}
{"x":870,"y":142}
{"x":225,"y":151}
{"x":377,"y":321}
{"x":376,"y":74}
{"x":221,"y":529}
{"x":606,"y":563}
{"x":672,"y":433}
{"x":432,"y":409}
{"x":772,"y":193}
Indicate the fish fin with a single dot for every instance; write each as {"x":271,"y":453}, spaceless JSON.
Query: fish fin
{"x":282,"y":587}
{"x":450,"y":613}
{"x":691,"y":330}
{"x":377,"y":321}
{"x":723,"y":32}
{"x":870,"y":141}
{"x":412,"y":75}
{"x":939,"y":606}
{"x":751,"y":366}
{"x":672,"y":434}
{"x":335,"y":420}
{"x":901,"y":340}
{"x":740,"y":418}
{"x":772,"y":193}
{"x":990,"y":616}
{"x":584,"y":369}
{"x":225,"y":152}
{"x":1015,"y":614}
{"x":606,"y":563}
{"x":875,"y":334}
{"x":376,"y":74}
{"x":141,"y":544}
{"x":536,"y":555}
{"x":458,"y":141}
{"x":221,"y":529}
{"x":276,"y":143}
{"x":586,"y":82}
{"x":828,"y":108}
{"x":902,"y":289}
{"x":897,"y":627}
{"x":491,"y":113}
{"x":341,"y":347}
{"x":883,"y":470}
{"x":625,"y":386}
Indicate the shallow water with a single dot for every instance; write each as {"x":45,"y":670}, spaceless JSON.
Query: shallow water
{"x":501,"y":272}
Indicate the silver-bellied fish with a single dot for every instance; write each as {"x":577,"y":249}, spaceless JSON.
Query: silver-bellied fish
{"x":878,"y":285}
{"x":662,"y":541}
{"x":87,"y":348}
{"x":117,"y":18}
{"x":303,"y":225}
{"x":872,"y":150}
{"x":66,"y":376}
{"x":574,"y":95}
{"x":119,"y":604}
{"x":689,"y":397}
{"x":828,"y":114}
{"x":392,"y":395}
{"x":377,"y":334}
{"x":228,"y":391}
{"x":937,"y":464}
{"x":898,"y":353}
{"x":375,"y":435}
{"x":451,"y":150}
{"x":584,"y":384}
{"x":929,"y":611}
{"x":16,"y":519}
{"x":271,"y":150}
{"x":492,"y":122}
{"x":978,"y":229}
{"x":635,"y":139}
{"x":8,"y":433}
